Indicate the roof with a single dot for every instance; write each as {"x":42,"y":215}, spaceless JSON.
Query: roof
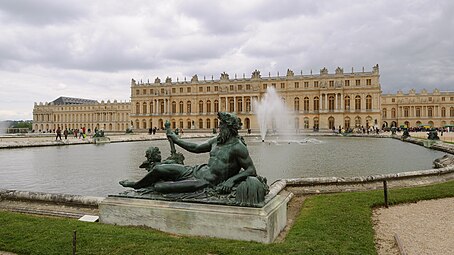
{"x":72,"y":100}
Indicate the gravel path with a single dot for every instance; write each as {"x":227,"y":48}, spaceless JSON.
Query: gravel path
{"x":425,"y":227}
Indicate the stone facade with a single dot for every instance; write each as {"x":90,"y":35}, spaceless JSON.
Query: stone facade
{"x":413,"y":109}
{"x":323,"y":101}
{"x":75,"y":114}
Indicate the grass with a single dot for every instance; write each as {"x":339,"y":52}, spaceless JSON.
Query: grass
{"x":328,"y":224}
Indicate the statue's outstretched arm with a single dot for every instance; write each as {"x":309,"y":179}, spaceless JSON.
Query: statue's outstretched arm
{"x":192,"y":147}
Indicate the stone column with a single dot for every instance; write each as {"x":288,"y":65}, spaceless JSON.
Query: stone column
{"x":234,"y":104}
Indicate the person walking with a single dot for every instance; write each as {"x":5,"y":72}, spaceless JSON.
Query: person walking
{"x":65,"y":133}
{"x":58,"y":133}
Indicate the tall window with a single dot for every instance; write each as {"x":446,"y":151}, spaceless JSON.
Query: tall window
{"x":239,"y":105}
{"x":368,"y":81}
{"x":200,"y":123}
{"x":347,"y":103}
{"x":418,"y":111}
{"x":429,"y":112}
{"x":358,"y":121}
{"x":137,"y":108}
{"x":393,"y":113}
{"x":174,"y":107}
{"x":296,"y":104}
{"x":331,"y":102}
{"x":443,"y":112}
{"x":315,"y":84}
{"x":347,"y":83}
{"x":162,"y":106}
{"x":306,"y":104}
{"x":208,"y":123}
{"x":347,"y":123}
{"x":151,"y":107}
{"x":331,"y":123}
{"x":331,"y":84}
{"x":368,"y":102}
{"x":358,"y":82}
{"x":188,"y":107}
{"x":216,"y":106}
{"x":144,"y":108}
{"x":248,"y":104}
{"x":451,"y":112}
{"x":231,"y":105}
{"x":181,"y":107}
{"x":316,"y":103}
{"x":200,"y":106}
{"x":358,"y":103}
{"x":208,"y":106}
{"x":306,"y":123}
{"x":406,"y":110}
{"x":384,"y":113}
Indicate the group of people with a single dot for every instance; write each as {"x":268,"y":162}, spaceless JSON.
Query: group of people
{"x":78,"y":133}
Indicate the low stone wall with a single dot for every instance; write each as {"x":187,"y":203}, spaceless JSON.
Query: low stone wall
{"x":50,"y":198}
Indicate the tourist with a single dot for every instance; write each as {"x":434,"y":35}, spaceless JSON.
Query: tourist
{"x":228,"y":156}
{"x":65,"y":133}
{"x":58,"y":133}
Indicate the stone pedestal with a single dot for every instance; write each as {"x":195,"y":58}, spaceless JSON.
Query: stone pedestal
{"x":196,"y":219}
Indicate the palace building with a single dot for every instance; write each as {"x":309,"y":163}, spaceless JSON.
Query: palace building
{"x":322,"y":101}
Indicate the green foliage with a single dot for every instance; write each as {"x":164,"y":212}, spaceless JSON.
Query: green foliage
{"x":22,"y":124}
{"x":328,"y":224}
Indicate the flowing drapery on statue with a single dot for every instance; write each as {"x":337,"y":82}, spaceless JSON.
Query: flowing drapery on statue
{"x":229,"y":177}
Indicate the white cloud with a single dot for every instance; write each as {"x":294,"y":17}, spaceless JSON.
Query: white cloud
{"x":92,"y":49}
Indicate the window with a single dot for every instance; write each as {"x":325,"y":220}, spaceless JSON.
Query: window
{"x":188,"y":89}
{"x":443,"y":112}
{"x":144,"y":108}
{"x":181,"y":90}
{"x":306,"y":104}
{"x":273,"y":85}
{"x":297,"y":85}
{"x":188,"y":107}
{"x":239,"y":105}
{"x":315,"y":84}
{"x":200,"y":106}
{"x":231,"y":105}
{"x":316,"y":125}
{"x":443,"y":99}
{"x":306,"y":84}
{"x":369,"y":82}
{"x":331,"y":102}
{"x":296,"y":104}
{"x":331,"y":123}
{"x":162,"y":106}
{"x":347,"y":83}
{"x":208,"y":89}
{"x":357,"y":121}
{"x":331,"y":84}
{"x":151,"y":91}
{"x":418,"y":111}
{"x":216,"y":88}
{"x":248,"y":104}
{"x":248,"y":86}
{"x":200,"y":123}
{"x":347,"y":103}
{"x":174,"y":107}
{"x":368,"y":102}
{"x":406,"y":110}
{"x":137,"y":108}
{"x":282,"y":85}
{"x":429,"y":112}
{"x":358,"y":103}
{"x":384,"y":113}
{"x":174,"y":90}
{"x":347,"y":123}
{"x":208,"y":125}
{"x":393,"y":100}
{"x":208,"y":106}
{"x":137,"y":92}
{"x":451,"y":112}
{"x":181,"y":107}
{"x":200,"y":89}
{"x":144,"y":91}
{"x":231,"y":88}
{"x":162,"y":91}
{"x":240,"y":87}
{"x":216,"y":106}
{"x":358,"y":82}
{"x":430,"y":98}
{"x":306,"y":123}
{"x":264,"y":86}
{"x":393,"y":113}
{"x":316,"y":103}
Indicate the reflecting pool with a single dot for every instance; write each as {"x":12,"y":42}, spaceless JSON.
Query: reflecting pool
{"x":95,"y":170}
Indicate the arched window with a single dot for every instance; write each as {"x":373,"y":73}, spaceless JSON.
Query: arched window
{"x":443,"y":112}
{"x":208,"y":123}
{"x":151,"y":107}
{"x":231,"y":105}
{"x":188,"y":107}
{"x":296,"y":104}
{"x":216,"y":106}
{"x":306,"y":123}
{"x":200,"y":106}
{"x":180,"y":123}
{"x":393,"y":113}
{"x":451,"y":112}
{"x":239,"y":103}
{"x":429,"y":111}
{"x":406,"y":111}
{"x":248,"y":104}
{"x":383,"y":113}
{"x":358,"y":103}
{"x":181,"y":107}
{"x":346,"y":123}
{"x":331,"y":103}
{"x":137,"y":108}
{"x":144,"y":108}
{"x":347,"y":103}
{"x":368,"y":102}
{"x":144,"y":124}
{"x":358,"y":121}
{"x":162,"y":106}
{"x":200,"y":123}
{"x":306,"y":104}
{"x":208,"y":106}
{"x":174,"y":107}
{"x":331,"y":123}
{"x":316,"y":103}
{"x":316,"y":123}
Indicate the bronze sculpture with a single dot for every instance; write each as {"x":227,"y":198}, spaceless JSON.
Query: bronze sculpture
{"x":229,"y":165}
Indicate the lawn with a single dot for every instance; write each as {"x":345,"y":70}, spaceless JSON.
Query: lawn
{"x":328,"y":224}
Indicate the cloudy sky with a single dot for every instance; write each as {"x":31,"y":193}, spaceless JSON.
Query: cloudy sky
{"x":92,"y":49}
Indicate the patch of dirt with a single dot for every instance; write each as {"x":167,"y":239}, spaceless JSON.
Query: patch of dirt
{"x":293,"y":210}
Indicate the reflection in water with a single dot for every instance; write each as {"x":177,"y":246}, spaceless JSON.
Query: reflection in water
{"x":96,"y":169}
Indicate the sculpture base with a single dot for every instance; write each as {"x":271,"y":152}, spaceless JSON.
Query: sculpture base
{"x":231,"y":222}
